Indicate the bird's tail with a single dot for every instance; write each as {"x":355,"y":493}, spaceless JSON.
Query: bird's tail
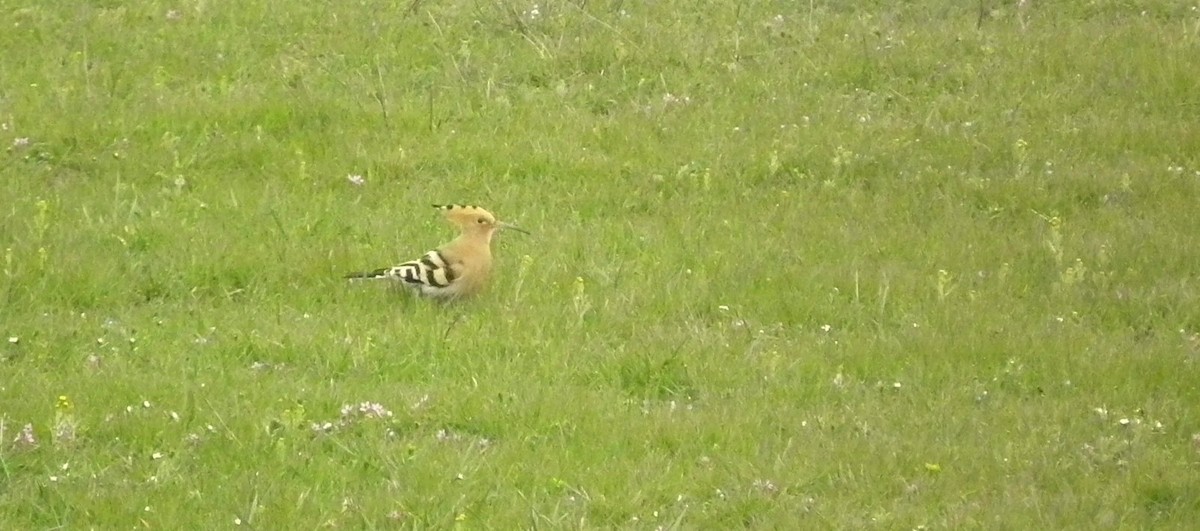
{"x":378,"y":273}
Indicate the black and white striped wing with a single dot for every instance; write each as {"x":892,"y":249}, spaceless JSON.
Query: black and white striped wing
{"x":431,"y":272}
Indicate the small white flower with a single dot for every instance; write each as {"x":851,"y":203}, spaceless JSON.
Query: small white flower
{"x":20,"y":142}
{"x":13,"y":340}
{"x":156,"y":456}
{"x":1123,"y":422}
{"x":826,"y":328}
{"x":25,"y":436}
{"x":375,"y":410}
{"x":765,"y":485}
{"x":419,"y":403}
{"x":356,"y":180}
{"x":671,"y":99}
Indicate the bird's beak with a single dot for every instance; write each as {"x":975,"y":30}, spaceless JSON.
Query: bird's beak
{"x":510,"y":226}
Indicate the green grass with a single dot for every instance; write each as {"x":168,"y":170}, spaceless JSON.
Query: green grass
{"x":795,"y":265}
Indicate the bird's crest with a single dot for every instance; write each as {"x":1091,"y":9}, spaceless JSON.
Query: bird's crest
{"x":466,"y":215}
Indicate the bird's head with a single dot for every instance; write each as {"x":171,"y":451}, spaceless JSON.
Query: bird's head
{"x":474,"y":220}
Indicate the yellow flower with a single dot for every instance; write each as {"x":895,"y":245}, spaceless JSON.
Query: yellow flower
{"x":65,"y":426}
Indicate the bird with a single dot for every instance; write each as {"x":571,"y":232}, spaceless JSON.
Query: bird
{"x":457,"y":269}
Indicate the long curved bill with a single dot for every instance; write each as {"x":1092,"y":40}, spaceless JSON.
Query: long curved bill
{"x":509,"y":226}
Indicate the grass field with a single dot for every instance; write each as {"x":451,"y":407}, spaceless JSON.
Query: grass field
{"x":794,"y":265}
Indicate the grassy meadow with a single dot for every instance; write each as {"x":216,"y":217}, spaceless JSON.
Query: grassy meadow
{"x":794,"y":265}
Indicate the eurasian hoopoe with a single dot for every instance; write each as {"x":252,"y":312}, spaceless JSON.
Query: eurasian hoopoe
{"x":458,"y":269}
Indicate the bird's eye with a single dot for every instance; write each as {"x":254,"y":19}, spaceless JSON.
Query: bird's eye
{"x":481,"y":221}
